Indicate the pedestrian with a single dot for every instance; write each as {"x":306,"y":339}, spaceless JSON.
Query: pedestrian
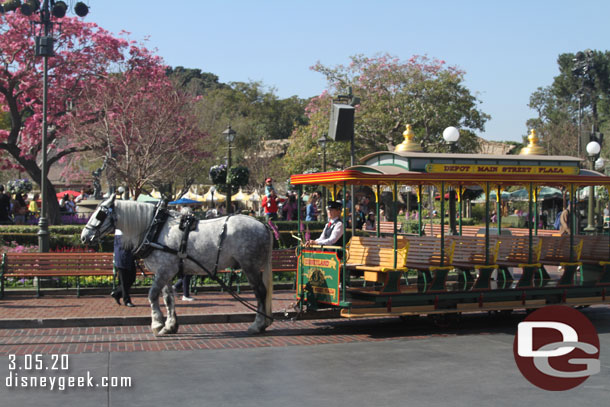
{"x":269,"y":187}
{"x":82,"y":197}
{"x":270,"y":204}
{"x":184,"y":280}
{"x":184,"y":284}
{"x":33,"y":206}
{"x":564,"y":221}
{"x":311,"y":213}
{"x":370,"y":222}
{"x":20,"y":209}
{"x":290,"y":207}
{"x":5,"y":207}
{"x":125,"y":265}
{"x":360,"y":216}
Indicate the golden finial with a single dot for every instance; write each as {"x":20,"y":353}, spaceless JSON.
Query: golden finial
{"x":408,"y":144}
{"x":533,"y":148}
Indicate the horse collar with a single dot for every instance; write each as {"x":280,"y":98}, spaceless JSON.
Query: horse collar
{"x":152,"y":234}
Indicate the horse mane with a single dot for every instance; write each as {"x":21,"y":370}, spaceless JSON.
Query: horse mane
{"x":134,"y":219}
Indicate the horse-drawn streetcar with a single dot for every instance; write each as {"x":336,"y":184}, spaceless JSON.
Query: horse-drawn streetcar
{"x":451,"y":273}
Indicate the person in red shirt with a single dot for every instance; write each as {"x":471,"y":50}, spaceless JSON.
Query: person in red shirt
{"x":270,"y":204}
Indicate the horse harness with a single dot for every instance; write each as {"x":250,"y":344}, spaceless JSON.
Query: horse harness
{"x":188,"y":223}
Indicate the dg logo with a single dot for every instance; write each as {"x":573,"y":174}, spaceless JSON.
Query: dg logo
{"x":557,"y":348}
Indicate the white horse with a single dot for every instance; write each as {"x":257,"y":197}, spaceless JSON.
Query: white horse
{"x":245,"y":244}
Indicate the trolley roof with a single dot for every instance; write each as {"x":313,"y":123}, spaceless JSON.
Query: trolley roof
{"x":413,"y":168}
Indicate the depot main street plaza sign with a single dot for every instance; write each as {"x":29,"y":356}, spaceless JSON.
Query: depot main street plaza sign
{"x":318,"y":276}
{"x":500,"y":169}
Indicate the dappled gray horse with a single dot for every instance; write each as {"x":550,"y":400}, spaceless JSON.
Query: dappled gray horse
{"x":246,"y":244}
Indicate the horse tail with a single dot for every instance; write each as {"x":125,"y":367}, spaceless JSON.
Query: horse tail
{"x":268,"y":280}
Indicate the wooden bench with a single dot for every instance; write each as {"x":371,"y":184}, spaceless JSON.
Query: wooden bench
{"x":388,"y":227}
{"x":282,"y":261}
{"x":425,"y":257}
{"x":555,"y":251}
{"x":377,"y":259}
{"x":595,"y":258}
{"x":514,"y":251}
{"x":472,"y":254}
{"x":526,"y":232}
{"x":29,"y":265}
{"x":435,"y":230}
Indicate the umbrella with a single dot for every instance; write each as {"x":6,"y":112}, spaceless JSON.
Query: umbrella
{"x":519,"y":195}
{"x":184,"y":201}
{"x":492,"y":197}
{"x":214,"y":196}
{"x":194,"y":196}
{"x":238,"y":197}
{"x":62,"y":193}
{"x":255,"y":197}
{"x":550,"y":193}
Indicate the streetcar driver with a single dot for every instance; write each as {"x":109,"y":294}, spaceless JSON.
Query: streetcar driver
{"x":333,"y":230}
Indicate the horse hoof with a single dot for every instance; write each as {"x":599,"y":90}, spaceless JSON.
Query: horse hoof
{"x":173,"y":329}
{"x":157,"y":329}
{"x":254,"y":330}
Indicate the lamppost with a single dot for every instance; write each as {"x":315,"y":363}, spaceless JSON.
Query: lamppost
{"x":44,"y":48}
{"x":322,"y":142}
{"x":600,"y":165}
{"x":593,"y":149}
{"x":229,"y":134}
{"x":451,"y":136}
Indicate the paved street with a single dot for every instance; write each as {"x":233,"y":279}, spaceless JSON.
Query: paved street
{"x":337,"y":362}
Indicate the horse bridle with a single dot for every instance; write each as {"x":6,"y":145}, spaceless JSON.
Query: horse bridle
{"x":101,"y":214}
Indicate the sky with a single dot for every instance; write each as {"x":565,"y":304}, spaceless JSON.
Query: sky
{"x":508,"y":49}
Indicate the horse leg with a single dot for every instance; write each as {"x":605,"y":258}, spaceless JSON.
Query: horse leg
{"x":171,"y":323}
{"x":255,"y":280}
{"x":159,"y":283}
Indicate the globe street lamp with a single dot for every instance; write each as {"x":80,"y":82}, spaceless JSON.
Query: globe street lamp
{"x":593,"y":149}
{"x":451,"y":136}
{"x":229,"y":134}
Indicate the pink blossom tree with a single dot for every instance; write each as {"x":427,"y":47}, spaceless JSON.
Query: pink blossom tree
{"x":89,"y":63}
{"x":144,"y":124}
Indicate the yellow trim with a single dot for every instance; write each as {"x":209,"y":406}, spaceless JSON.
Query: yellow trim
{"x":485,"y":266}
{"x":500,"y":169}
{"x":386,"y":269}
{"x":451,"y":251}
{"x":567,"y":263}
{"x":578,"y":248}
{"x":434,"y":268}
{"x":522,"y":265}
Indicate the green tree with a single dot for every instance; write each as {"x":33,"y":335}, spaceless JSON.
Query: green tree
{"x":393,"y":93}
{"x":258,"y":116}
{"x":578,"y":97}
{"x":194,"y":81}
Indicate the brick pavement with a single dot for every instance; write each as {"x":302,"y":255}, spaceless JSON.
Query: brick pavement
{"x":197,"y":336}
{"x":233,"y":335}
{"x":67,"y":305}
